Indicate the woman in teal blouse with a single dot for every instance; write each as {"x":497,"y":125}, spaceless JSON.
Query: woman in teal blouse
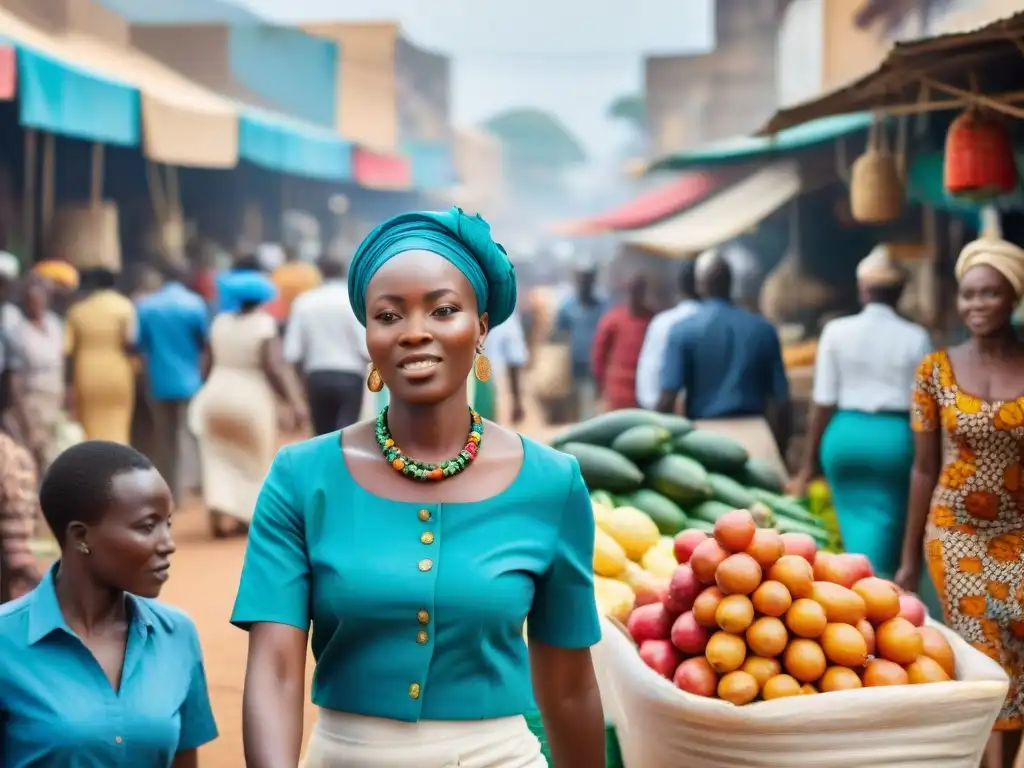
{"x":94,"y":673}
{"x":416,"y":546}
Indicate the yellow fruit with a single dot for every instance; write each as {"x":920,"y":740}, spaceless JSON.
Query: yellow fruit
{"x":614,"y":599}
{"x":602,"y":513}
{"x":609,"y":557}
{"x":659,"y":562}
{"x":634,"y":530}
{"x":668,"y":544}
{"x":645,"y":585}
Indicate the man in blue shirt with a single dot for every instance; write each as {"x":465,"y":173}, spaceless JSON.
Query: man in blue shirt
{"x":577,"y":323}
{"x":727,"y":361}
{"x":173,"y":327}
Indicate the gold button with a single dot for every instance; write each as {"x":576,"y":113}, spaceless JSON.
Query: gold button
{"x":118,"y":739}
{"x":423,"y":617}
{"x":427,"y":537}
{"x":424,"y":515}
{"x":426,"y":564}
{"x":421,"y":637}
{"x":414,"y":691}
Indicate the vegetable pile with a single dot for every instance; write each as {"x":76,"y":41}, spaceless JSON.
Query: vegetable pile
{"x":681,"y":477}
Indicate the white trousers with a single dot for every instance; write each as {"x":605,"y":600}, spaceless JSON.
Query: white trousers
{"x":341,"y":740}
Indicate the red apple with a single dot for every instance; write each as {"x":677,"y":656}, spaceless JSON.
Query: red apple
{"x":800,"y":544}
{"x":661,"y":656}
{"x":912,"y":609}
{"x":696,"y":676}
{"x":689,"y":636}
{"x":861,"y":564}
{"x":685,"y":542}
{"x":683,"y":589}
{"x":649,"y":622}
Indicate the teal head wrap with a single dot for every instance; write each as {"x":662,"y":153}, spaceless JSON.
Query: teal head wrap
{"x":463,"y":240}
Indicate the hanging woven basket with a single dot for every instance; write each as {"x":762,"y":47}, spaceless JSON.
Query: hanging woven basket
{"x":876,"y":185}
{"x":979,"y":162}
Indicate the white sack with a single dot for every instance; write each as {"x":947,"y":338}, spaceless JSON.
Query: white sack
{"x":938,"y":725}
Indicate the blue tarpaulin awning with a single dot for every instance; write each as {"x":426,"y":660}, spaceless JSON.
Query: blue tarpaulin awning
{"x":282,"y":144}
{"x":433,"y":164}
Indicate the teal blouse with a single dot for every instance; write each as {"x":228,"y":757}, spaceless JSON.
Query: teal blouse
{"x":417,"y":609}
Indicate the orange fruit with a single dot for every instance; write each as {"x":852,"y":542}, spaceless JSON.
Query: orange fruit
{"x":804,"y":660}
{"x":881,"y":600}
{"x":725,"y":652}
{"x":761,"y":668}
{"x":738,"y":575}
{"x":780,"y":687}
{"x":735,"y":613}
{"x":807,"y":689}
{"x":795,"y":573}
{"x":898,"y":641}
{"x":771,"y":598}
{"x":767,"y":636}
{"x":926,"y":670}
{"x":844,"y":645}
{"x":878,"y":672}
{"x":841,"y":604}
{"x":766,"y":547}
{"x":806,"y":618}
{"x":839,"y":679}
{"x":738,"y":687}
{"x":868,"y":631}
{"x":935,"y":646}
{"x":735,"y":530}
{"x":705,"y":605}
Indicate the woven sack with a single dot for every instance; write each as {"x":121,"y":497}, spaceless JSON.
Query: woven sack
{"x":939,"y":725}
{"x":876,"y":187}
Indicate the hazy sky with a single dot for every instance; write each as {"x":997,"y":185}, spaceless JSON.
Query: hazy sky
{"x":571,"y":57}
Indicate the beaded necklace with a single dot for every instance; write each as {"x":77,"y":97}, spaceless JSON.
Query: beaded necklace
{"x":421,"y":470}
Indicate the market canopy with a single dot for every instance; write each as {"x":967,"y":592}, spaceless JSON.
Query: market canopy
{"x":75,"y":85}
{"x":747,"y":148}
{"x":726,"y":215}
{"x":287,"y":145}
{"x":644,"y":210}
{"x":984,"y":66}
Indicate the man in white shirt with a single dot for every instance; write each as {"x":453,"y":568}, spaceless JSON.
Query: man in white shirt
{"x":859,"y":427}
{"x":506,"y":348}
{"x":652,"y":353}
{"x":327,"y":346}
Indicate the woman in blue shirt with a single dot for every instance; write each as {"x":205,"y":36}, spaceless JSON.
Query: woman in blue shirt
{"x":417,"y":545}
{"x":102,"y":675}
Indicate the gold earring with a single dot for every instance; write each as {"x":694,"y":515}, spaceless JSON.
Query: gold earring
{"x":374,"y":382}
{"x":482,"y":367}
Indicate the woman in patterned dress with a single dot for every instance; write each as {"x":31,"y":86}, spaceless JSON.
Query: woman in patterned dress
{"x":967,"y":486}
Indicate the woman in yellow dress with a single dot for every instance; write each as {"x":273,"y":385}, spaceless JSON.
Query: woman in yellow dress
{"x":99,"y":331}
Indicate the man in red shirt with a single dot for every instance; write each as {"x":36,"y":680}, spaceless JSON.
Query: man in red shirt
{"x":617,"y":344}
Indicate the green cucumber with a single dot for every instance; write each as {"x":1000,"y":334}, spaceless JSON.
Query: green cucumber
{"x":785,"y":524}
{"x":603,"y":429}
{"x":709,"y":511}
{"x":727,"y":490}
{"x":677,"y":425}
{"x":642,"y":443}
{"x":714,"y":452}
{"x":665,"y":513}
{"x":604,"y":469}
{"x":760,"y":473}
{"x":783,"y":506}
{"x":700,"y":525}
{"x":680,"y":478}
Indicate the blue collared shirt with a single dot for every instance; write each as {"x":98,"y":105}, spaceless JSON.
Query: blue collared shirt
{"x":728,"y":360}
{"x":173,"y":324}
{"x":57,"y":707}
{"x":580,"y":321}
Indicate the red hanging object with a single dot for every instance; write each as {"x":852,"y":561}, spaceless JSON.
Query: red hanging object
{"x":979,"y":162}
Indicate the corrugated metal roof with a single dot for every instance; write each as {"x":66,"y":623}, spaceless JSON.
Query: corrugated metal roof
{"x":182,"y":12}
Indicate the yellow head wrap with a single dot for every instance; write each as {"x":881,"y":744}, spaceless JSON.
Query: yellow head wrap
{"x":58,"y":272}
{"x":1005,"y":258}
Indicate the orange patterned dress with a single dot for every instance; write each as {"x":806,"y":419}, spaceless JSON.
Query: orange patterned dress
{"x":974,"y":540}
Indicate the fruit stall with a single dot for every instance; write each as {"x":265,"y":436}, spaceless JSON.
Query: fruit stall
{"x":726,"y":604}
